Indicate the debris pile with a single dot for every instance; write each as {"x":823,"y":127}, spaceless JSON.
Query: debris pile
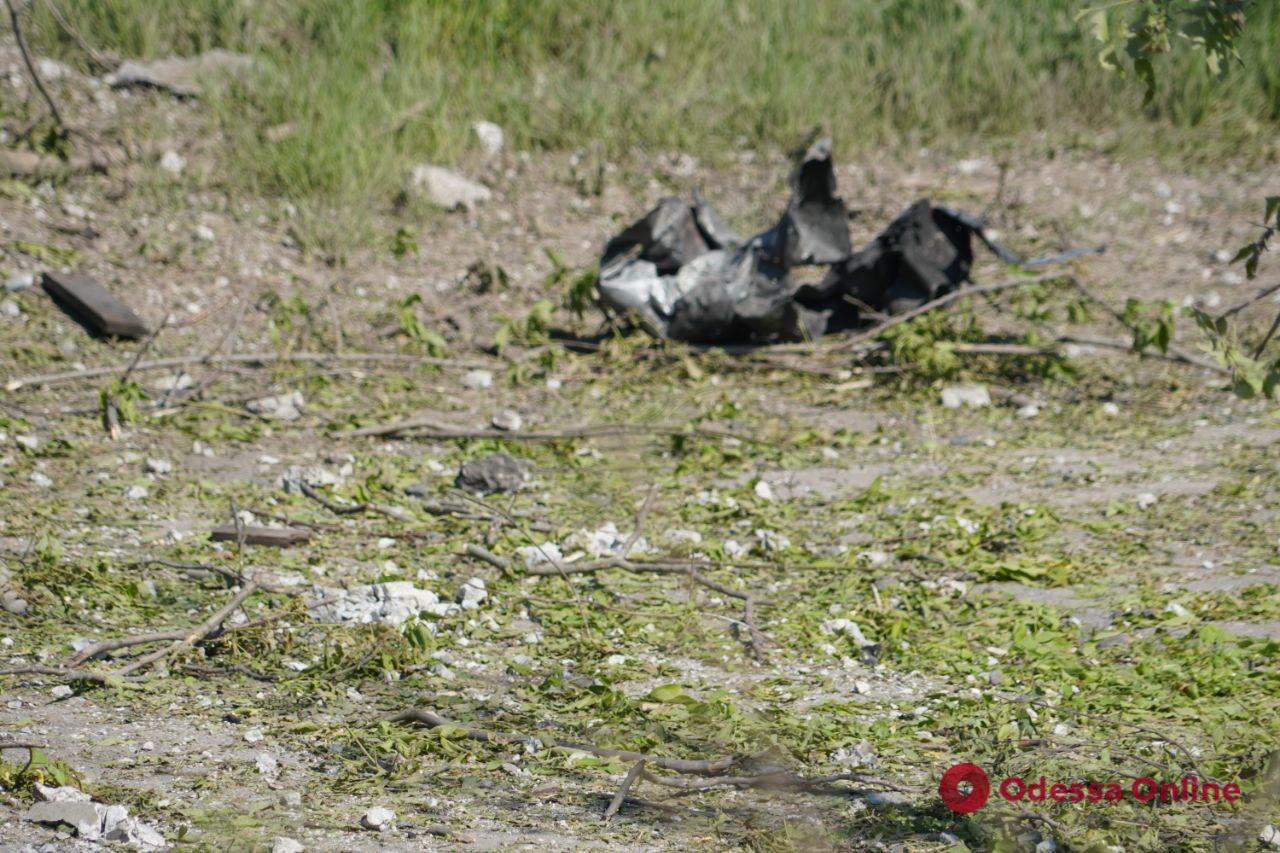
{"x":681,"y":272}
{"x":393,"y":603}
{"x":91,"y":821}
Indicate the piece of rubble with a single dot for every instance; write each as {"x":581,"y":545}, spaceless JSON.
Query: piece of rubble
{"x":135,"y":493}
{"x":91,"y":821}
{"x":533,"y":555}
{"x":313,"y":475}
{"x":253,"y":735}
{"x":605,"y":541}
{"x":62,"y":691}
{"x":84,"y":817}
{"x":266,"y":764}
{"x":9,"y":308}
{"x":498,"y":472}
{"x":490,"y":137}
{"x":92,"y":306}
{"x":275,"y":537}
{"x":861,"y":754}
{"x":678,"y":536}
{"x":1146,"y":500}
{"x":869,"y":651}
{"x":971,"y":396}
{"x":159,"y":467}
{"x":508,"y":420}
{"x":20,"y":281}
{"x":1270,"y":836}
{"x":446,"y":189}
{"x":394,"y":603}
{"x":283,"y":407}
{"x":14,"y":603}
{"x":378,"y":819}
{"x":471,"y":594}
{"x":183,"y":76}
{"x":477,"y":380}
{"x":173,"y":162}
{"x":285,"y":844}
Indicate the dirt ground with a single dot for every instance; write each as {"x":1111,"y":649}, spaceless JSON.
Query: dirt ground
{"x":1135,"y":485}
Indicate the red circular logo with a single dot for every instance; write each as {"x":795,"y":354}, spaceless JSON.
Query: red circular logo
{"x":957,"y":800}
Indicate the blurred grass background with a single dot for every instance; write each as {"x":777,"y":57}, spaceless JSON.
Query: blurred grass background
{"x":704,"y":76}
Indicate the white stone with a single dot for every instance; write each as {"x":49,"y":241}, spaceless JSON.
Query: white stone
{"x":1110,"y":409}
{"x":508,"y":420}
{"x":285,"y":844}
{"x":1030,"y":410}
{"x":173,"y":162}
{"x":204,"y":233}
{"x":1270,"y":836}
{"x":763,"y":490}
{"x":62,"y":691}
{"x":1177,"y":610}
{"x":253,"y":735}
{"x":1146,"y":500}
{"x":477,"y":380}
{"x":29,"y":442}
{"x":9,"y":308}
{"x":378,"y":818}
{"x":490,"y":136}
{"x":283,"y":407}
{"x":159,"y":466}
{"x":533,"y":555}
{"x":472,"y":594}
{"x":446,"y":189}
{"x":677,"y":536}
{"x":39,"y":479}
{"x":972,"y":396}
{"x":266,"y":764}
{"x":136,"y":493}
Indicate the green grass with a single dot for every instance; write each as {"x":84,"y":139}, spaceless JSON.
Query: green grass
{"x":706,"y":76}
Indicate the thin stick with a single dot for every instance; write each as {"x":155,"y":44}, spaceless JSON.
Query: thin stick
{"x":102,"y":62}
{"x":1261,"y":295}
{"x":199,"y":633}
{"x":1172,"y":355}
{"x":941,"y":302}
{"x":31,"y":66}
{"x":433,"y":429}
{"x":251,"y":358}
{"x":630,"y":779}
{"x":61,"y":672}
{"x":1275,"y":324}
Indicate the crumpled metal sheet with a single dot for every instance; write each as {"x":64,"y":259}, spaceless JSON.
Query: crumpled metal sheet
{"x":684,"y":274}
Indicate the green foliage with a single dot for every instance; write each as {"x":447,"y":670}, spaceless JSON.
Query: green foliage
{"x":530,"y":330}
{"x":1152,"y":323}
{"x":1251,"y":376}
{"x":404,"y":242}
{"x":417,"y":331}
{"x":1134,"y":33}
{"x":1252,"y":252}
{"x":578,"y":288}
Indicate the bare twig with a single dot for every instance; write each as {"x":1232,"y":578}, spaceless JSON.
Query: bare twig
{"x":630,"y":779}
{"x":941,"y":302}
{"x":96,"y":58}
{"x":202,"y":631}
{"x":433,"y":429}
{"x":31,"y":66}
{"x":1174,"y":355}
{"x":1258,"y":297}
{"x":249,"y":358}
{"x":1266,"y":339}
{"x":61,"y":672}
